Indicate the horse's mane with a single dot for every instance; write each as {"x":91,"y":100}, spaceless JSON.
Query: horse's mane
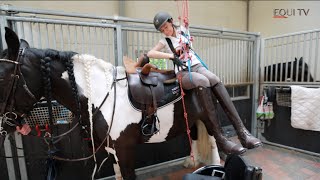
{"x":54,"y":54}
{"x":65,"y":57}
{"x":42,"y":53}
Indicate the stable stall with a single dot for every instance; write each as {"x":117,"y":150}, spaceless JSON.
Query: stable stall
{"x":231,"y":54}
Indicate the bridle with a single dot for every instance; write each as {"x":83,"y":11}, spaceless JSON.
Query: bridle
{"x":10,"y":117}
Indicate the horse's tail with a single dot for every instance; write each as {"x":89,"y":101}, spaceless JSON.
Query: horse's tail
{"x":203,"y":143}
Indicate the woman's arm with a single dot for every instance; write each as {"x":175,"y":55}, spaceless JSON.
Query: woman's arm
{"x":157,"y":54}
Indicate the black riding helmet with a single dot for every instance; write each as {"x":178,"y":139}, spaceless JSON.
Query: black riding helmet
{"x":160,"y":18}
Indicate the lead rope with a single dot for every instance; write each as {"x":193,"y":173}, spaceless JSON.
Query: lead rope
{"x":185,"y":38}
{"x":185,"y":44}
{"x":185,"y":114}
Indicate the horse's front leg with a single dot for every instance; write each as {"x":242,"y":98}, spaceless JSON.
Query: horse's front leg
{"x":126,"y":160}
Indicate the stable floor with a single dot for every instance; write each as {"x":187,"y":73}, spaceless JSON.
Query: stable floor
{"x":276,"y":163}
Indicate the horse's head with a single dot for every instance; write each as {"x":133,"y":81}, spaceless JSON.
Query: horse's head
{"x":19,"y":82}
{"x":303,"y":70}
{"x":28,"y":74}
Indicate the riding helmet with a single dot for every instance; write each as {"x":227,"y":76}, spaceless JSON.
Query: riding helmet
{"x":160,"y":18}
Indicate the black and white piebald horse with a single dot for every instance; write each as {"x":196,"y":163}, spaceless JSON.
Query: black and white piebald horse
{"x":80,"y":82}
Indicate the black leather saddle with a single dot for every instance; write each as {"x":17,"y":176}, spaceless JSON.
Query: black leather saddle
{"x":149,"y":92}
{"x":159,"y":88}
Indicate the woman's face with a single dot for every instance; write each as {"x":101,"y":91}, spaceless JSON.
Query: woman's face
{"x":167,"y":29}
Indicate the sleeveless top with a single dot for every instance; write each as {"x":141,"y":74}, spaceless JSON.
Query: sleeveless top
{"x":175,"y":42}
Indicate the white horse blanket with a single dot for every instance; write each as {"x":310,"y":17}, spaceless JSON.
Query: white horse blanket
{"x":305,"y":108}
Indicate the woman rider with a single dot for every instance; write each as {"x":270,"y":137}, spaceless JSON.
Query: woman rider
{"x":204,"y":80}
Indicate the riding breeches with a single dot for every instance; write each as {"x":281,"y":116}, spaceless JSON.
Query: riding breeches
{"x":200,"y":76}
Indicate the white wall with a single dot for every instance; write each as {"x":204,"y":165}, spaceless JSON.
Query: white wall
{"x":261,"y":17}
{"x":228,"y":14}
{"x":107,"y":8}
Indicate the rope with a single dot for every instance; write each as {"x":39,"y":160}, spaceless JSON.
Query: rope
{"x":185,"y":38}
{"x":184,"y":15}
{"x":185,"y":114}
{"x":185,"y":44}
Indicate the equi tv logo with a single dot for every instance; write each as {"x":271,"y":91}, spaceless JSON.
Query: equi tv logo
{"x":285,"y":13}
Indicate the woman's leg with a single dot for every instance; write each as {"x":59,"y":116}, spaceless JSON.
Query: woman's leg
{"x":202,"y":84}
{"x":246,"y":139}
{"x":219,"y":90}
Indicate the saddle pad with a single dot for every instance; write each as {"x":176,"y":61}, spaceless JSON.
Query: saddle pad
{"x":305,"y":111}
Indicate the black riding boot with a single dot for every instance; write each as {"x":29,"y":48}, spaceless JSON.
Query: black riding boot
{"x":247,"y":140}
{"x":223,"y":143}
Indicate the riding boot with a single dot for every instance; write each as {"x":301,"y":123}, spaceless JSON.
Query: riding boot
{"x":247,"y":140}
{"x":223,"y":143}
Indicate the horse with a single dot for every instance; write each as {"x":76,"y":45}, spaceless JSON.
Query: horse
{"x":281,"y":68}
{"x":79,"y":82}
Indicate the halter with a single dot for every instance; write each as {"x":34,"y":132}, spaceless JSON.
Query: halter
{"x":10,"y":117}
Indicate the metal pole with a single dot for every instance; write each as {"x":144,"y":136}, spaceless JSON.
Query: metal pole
{"x":255,"y":87}
{"x":3,"y":23}
{"x":9,"y":161}
{"x":118,"y":47}
{"x":21,"y":160}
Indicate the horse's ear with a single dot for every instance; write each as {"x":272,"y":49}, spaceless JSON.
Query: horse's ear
{"x":300,"y":62}
{"x":295,"y":59}
{"x":13,"y":43}
{"x":301,"y":59}
{"x":24,"y":44}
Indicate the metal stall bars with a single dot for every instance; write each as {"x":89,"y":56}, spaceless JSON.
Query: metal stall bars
{"x":289,"y":59}
{"x":231,"y":54}
{"x":228,"y":53}
{"x":63,"y":31}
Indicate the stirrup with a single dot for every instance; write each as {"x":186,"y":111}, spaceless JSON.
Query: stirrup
{"x":149,"y":129}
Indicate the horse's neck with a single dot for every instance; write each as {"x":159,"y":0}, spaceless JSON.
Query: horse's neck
{"x":94,"y":77}
{"x":92,"y":74}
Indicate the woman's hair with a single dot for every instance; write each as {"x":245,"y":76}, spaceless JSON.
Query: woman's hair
{"x":174,"y":25}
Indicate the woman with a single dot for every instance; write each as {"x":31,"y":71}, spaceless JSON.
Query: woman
{"x":205,"y":81}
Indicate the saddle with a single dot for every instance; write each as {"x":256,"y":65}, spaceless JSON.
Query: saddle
{"x":149,"y":89}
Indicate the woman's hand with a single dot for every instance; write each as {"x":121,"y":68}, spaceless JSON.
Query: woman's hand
{"x":176,"y":60}
{"x":24,"y":129}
